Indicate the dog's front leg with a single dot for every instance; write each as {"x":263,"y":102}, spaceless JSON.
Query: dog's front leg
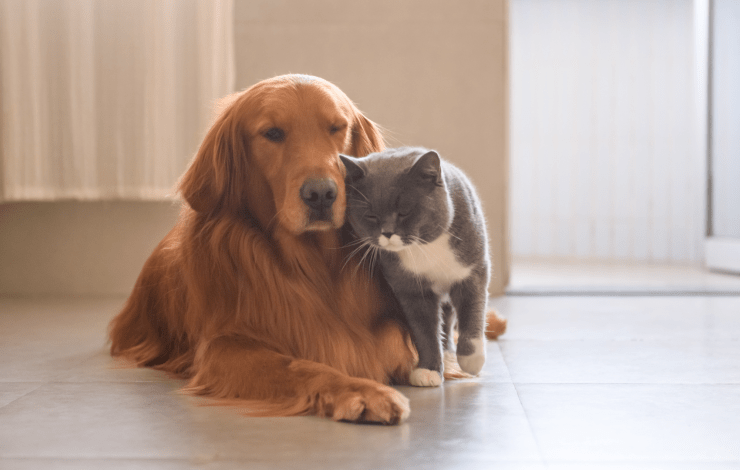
{"x":238,"y":368}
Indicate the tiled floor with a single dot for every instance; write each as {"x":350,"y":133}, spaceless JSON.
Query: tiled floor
{"x":577,"y":382}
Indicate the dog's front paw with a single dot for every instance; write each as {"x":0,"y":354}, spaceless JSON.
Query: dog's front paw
{"x":425,"y":378}
{"x":475,"y":349}
{"x":371,"y":402}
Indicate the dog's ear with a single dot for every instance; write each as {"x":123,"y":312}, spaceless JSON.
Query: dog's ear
{"x":212,"y":180}
{"x":366,"y":137}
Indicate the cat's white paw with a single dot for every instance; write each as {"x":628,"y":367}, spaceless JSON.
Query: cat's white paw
{"x":425,"y":378}
{"x":473,"y":363}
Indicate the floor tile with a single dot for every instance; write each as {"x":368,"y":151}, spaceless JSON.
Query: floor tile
{"x":45,"y":338}
{"x":583,"y":383}
{"x":152,"y":421}
{"x":96,"y":421}
{"x":620,"y":318}
{"x":99,"y":366}
{"x":495,"y":369}
{"x":622,"y":362}
{"x":669,"y":465}
{"x":461,"y":463}
{"x":25,"y":364}
{"x":11,"y":391}
{"x":98,"y":464}
{"x":469,"y":418}
{"x":461,"y":418}
{"x":635,"y":423}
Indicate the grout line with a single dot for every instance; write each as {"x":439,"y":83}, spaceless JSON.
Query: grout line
{"x":198,"y":463}
{"x":84,"y":458}
{"x":506,"y":366}
{"x":631,"y":384}
{"x":641,"y":462}
{"x":549,"y":292}
{"x":540,"y":451}
{"x":38,"y":386}
{"x":626,"y":339}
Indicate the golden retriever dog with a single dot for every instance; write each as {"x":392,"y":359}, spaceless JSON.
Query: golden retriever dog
{"x":254,"y":294}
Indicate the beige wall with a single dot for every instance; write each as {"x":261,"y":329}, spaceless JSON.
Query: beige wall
{"x":432,"y":73}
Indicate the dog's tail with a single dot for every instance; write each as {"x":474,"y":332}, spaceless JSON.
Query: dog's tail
{"x":495,"y":324}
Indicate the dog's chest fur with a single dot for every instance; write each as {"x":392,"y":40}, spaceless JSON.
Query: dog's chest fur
{"x":436,"y":262}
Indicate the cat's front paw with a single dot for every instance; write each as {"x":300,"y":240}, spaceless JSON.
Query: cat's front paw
{"x":425,"y":378}
{"x":472,"y":362}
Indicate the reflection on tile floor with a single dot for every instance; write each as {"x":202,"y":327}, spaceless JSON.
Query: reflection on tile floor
{"x":577,"y":382}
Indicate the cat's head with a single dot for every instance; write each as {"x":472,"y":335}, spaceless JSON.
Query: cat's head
{"x":397,"y":198}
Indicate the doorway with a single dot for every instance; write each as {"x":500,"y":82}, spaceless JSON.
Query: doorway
{"x":609,"y":139}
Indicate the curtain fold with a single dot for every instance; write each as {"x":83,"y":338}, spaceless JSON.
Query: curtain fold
{"x":107,"y":99}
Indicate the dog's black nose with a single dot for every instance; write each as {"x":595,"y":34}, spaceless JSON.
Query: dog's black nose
{"x":319,"y":193}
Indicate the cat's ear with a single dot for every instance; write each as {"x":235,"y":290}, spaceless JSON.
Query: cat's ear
{"x":428,"y":168}
{"x":354,"y":170}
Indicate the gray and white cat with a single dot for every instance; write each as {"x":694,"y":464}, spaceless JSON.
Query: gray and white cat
{"x":423,"y":218}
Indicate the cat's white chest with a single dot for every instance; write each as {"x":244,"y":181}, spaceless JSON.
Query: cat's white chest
{"x":435,"y":261}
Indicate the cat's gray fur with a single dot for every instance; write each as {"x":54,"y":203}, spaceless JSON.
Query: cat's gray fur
{"x":429,"y":203}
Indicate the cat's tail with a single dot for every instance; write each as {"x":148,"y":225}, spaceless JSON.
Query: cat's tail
{"x":495,"y":324}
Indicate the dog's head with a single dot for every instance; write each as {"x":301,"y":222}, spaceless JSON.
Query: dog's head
{"x":273,"y":154}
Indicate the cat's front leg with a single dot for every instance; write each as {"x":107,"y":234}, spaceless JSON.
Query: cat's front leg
{"x":422,"y":313}
{"x":469,"y":298}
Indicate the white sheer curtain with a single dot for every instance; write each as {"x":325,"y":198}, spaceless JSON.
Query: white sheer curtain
{"x":107,"y":99}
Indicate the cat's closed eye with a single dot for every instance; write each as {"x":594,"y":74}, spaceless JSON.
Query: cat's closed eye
{"x":371,"y":218}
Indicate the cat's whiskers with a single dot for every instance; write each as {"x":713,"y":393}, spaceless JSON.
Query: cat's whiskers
{"x":432,"y":257}
{"x":416,"y":270}
{"x":424,"y":252}
{"x":360,"y":193}
{"x":361,"y":203}
{"x":370,"y":259}
{"x":362,"y":260}
{"x":363,"y":242}
{"x":447,"y":231}
{"x":358,"y":244}
{"x":352,"y":243}
{"x":375,"y":259}
{"x":372,"y":249}
{"x":273,"y":218}
{"x":370,"y":254}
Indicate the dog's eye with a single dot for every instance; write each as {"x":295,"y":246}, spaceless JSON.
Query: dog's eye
{"x":334,"y":129}
{"x":275,"y":134}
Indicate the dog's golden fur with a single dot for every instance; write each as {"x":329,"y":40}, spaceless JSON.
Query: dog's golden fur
{"x":245,"y":296}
